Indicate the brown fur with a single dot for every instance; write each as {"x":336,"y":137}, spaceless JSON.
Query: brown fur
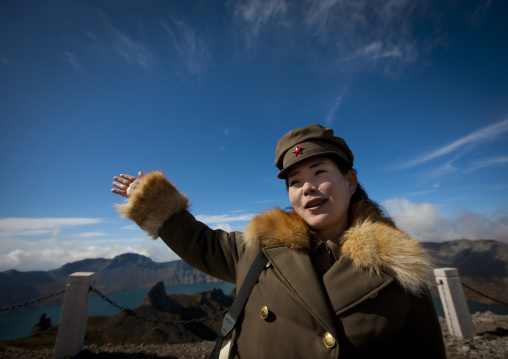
{"x":155,"y":200}
{"x":278,"y":227}
{"x":372,"y":246}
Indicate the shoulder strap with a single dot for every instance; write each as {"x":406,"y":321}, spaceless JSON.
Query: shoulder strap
{"x":241,"y":298}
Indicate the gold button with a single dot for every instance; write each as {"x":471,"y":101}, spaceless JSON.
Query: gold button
{"x":373,"y":295}
{"x":264,"y":312}
{"x":268,"y":264}
{"x":329,"y":340}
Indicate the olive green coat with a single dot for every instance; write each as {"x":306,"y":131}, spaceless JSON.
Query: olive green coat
{"x":373,"y":302}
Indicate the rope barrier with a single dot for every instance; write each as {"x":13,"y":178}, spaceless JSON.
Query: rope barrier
{"x":5,"y":309}
{"x":483,"y":295}
{"x":129,"y":311}
{"x":156,"y":321}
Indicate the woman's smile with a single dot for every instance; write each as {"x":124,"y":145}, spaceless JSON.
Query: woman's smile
{"x":320,"y":194}
{"x":315,"y":204}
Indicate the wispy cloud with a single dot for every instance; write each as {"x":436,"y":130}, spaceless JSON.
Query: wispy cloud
{"x":71,"y":59}
{"x":91,"y":234}
{"x":488,"y":162}
{"x":255,"y":15}
{"x":351,"y":35}
{"x":192,"y":49}
{"x":16,"y":227}
{"x":223,"y":218}
{"x":471,"y":140}
{"x":335,"y":106}
{"x":478,"y":17}
{"x":426,"y":222}
{"x":130,"y":49}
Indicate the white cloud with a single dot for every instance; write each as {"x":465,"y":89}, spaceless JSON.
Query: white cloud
{"x":475,"y":138}
{"x":350,"y":36}
{"x":255,"y":15}
{"x":52,"y":253}
{"x":29,"y":258}
{"x":71,"y":59}
{"x":488,"y":162}
{"x":91,"y":234}
{"x":132,"y":50}
{"x":426,"y":222}
{"x":223,"y":218}
{"x":192,"y":49}
{"x":335,"y":106}
{"x":131,"y":227}
{"x":224,"y":226}
{"x":19,"y":227}
{"x":366,"y":33}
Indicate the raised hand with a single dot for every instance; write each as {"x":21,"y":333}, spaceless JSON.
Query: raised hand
{"x":126,"y":184}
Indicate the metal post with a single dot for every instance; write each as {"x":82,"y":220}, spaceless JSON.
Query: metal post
{"x":71,"y":332}
{"x":454,"y":302}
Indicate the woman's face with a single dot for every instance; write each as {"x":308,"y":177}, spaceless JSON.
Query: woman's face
{"x":320,"y":194}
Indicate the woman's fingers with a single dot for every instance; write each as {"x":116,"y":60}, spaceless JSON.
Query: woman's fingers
{"x":126,"y":184}
{"x":120,"y":185}
{"x":118,"y":191}
{"x":125,"y":179}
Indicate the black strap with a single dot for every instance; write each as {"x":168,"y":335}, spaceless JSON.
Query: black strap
{"x":241,"y":298}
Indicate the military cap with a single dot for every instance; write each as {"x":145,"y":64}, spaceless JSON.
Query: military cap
{"x":304,"y":142}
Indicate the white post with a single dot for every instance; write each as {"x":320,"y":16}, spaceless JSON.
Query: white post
{"x":71,"y":332}
{"x":454,"y":302}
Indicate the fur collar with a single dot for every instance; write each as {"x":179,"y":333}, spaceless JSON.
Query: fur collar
{"x":371,"y":245}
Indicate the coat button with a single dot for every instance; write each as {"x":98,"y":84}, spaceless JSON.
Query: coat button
{"x":264,"y":312}
{"x":329,"y":340}
{"x":268,"y":264}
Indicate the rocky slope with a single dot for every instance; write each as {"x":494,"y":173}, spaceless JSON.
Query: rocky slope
{"x":491,"y":342}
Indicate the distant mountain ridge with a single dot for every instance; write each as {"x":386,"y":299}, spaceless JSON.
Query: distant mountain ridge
{"x":124,"y":272}
{"x":482,"y":264}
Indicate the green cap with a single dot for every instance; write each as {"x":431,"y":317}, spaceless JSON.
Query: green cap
{"x":304,"y":142}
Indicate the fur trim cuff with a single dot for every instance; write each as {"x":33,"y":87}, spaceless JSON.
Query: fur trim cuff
{"x":155,"y":200}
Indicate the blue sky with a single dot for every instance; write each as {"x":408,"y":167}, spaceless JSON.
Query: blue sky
{"x":203,"y":90}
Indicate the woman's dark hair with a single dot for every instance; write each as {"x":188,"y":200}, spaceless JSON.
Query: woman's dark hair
{"x":361,"y":206}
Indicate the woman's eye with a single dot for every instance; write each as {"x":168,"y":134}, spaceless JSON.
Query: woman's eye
{"x":320,"y":171}
{"x":292,"y":183}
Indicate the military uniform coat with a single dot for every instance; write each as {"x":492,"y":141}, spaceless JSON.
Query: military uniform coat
{"x":372,"y":302}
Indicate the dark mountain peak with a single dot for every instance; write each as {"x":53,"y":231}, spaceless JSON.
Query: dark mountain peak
{"x":129,"y":259}
{"x":158,"y":299}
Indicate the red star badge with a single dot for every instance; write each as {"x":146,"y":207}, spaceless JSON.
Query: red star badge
{"x":298,"y":151}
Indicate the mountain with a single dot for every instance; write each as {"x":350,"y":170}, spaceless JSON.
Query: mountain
{"x":124,"y":272}
{"x":161,"y":311}
{"x":482,"y":265}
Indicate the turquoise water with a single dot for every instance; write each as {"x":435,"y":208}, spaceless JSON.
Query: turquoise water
{"x":474,"y":307}
{"x":19,"y":325}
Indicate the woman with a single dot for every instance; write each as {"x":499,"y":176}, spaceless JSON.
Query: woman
{"x":343,"y":281}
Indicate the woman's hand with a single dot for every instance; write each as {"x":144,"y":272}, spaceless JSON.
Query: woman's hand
{"x":126,"y":184}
